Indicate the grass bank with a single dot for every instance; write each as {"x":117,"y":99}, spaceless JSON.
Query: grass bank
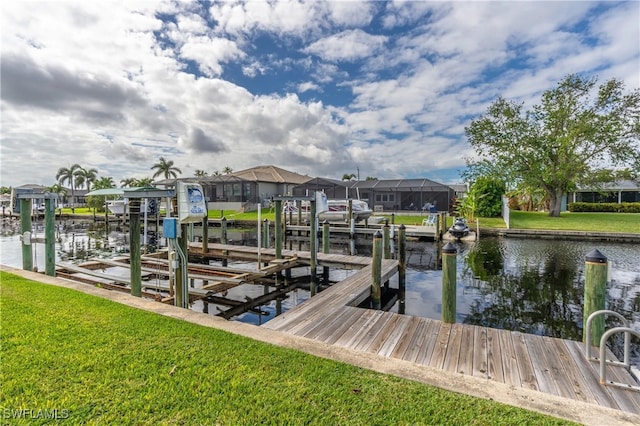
{"x":568,"y":221}
{"x":99,"y":362}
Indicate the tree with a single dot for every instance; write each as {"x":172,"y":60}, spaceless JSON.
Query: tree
{"x":216,"y":173}
{"x":98,"y":201}
{"x":85,"y":177}
{"x":127,"y":182}
{"x":562,"y":142}
{"x":166,"y":169}
{"x":200,"y":173}
{"x":227,"y":170}
{"x":490,"y":192}
{"x":57,"y":189}
{"x":348,"y":176}
{"x":142,"y":182}
{"x":67,"y":174}
{"x":5,"y":190}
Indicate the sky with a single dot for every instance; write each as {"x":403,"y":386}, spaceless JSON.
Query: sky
{"x":374,"y":89}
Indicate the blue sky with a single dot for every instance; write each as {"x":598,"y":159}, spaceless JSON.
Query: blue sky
{"x":320,"y":88}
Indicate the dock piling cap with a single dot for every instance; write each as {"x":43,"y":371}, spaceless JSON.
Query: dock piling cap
{"x":596,"y":257}
{"x":449,"y":248}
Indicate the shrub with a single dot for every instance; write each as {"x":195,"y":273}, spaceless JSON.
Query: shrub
{"x":605,"y":207}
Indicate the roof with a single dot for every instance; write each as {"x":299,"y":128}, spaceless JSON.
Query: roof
{"x":400,"y":184}
{"x":622,"y":185}
{"x":271,"y":174}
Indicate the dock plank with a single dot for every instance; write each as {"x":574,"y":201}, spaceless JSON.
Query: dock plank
{"x":509,"y":360}
{"x":527,"y":375}
{"x":495,"y":369}
{"x":467,"y":349}
{"x":480,"y":367}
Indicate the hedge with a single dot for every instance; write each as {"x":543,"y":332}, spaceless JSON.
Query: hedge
{"x":605,"y":207}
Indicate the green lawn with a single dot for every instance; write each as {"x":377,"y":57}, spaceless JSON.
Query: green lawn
{"x":594,"y":222}
{"x":99,"y":362}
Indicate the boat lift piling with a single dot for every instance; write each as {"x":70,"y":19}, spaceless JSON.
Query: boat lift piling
{"x":26,"y":207}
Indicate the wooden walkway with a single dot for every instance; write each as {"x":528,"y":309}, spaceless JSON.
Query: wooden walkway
{"x":544,"y":364}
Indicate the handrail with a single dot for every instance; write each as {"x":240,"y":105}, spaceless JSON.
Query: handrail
{"x":587,"y":334}
{"x":603,"y":363}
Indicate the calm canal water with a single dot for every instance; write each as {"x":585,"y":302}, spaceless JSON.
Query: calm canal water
{"x":529,"y":285}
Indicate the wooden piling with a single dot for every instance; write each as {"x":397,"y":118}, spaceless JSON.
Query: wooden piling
{"x":205,"y":235}
{"x":376,"y":271}
{"x":134,"y":247}
{"x":449,"y":253}
{"x":50,"y":237}
{"x":386,"y":240}
{"x":223,"y":236}
{"x":326,"y":243}
{"x":278,"y":229}
{"x":402,"y":267}
{"x":25,"y":227}
{"x":595,"y":288}
{"x":313,"y":248}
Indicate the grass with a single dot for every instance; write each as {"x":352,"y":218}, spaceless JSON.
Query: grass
{"x":590,"y":222}
{"x":99,"y":362}
{"x":594,"y":222}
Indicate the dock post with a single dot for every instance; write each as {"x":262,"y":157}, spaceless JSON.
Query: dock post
{"x":25,"y":231}
{"x":595,"y":287}
{"x":50,"y":237}
{"x":313,"y":247}
{"x":386,"y":240}
{"x":449,"y":283}
{"x":402,"y":267}
{"x":278,"y":230}
{"x":376,"y":271}
{"x":393,"y":218}
{"x":265,"y":233}
{"x":443,"y":224}
{"x":205,"y":235}
{"x":134,"y":247}
{"x":325,"y":249}
{"x":223,"y":237}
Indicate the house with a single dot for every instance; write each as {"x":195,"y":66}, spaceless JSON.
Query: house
{"x":386,"y":195}
{"x":244,"y":190}
{"x":625,"y":191}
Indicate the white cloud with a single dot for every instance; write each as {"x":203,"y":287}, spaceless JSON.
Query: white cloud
{"x":395,"y":82}
{"x":347,"y":46}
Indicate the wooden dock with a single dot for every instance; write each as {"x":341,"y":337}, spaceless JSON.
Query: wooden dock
{"x":550,"y":365}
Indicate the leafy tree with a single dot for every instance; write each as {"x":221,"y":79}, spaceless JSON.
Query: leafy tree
{"x":127,"y":182}
{"x":562,"y":142}
{"x":68,"y":174}
{"x":348,"y":176}
{"x":490,"y":192}
{"x":57,"y":189}
{"x":98,"y":201}
{"x":85,"y":177}
{"x":5,"y":190}
{"x":166,"y":169}
{"x":147,"y":181}
{"x":371,"y":178}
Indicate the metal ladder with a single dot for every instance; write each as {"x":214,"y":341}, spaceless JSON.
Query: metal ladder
{"x":603,"y":346}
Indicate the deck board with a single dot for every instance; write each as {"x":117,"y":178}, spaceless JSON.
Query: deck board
{"x":538,"y":363}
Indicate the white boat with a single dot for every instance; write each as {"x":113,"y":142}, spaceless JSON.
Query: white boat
{"x":338,"y":210}
{"x":118,"y":207}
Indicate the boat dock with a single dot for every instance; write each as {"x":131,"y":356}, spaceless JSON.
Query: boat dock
{"x":550,"y":365}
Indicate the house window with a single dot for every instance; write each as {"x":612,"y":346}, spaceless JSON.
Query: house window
{"x":384,"y":198}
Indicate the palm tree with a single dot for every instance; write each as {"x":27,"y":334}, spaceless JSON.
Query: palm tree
{"x":147,"y":181}
{"x":348,"y":176}
{"x":85,"y":177}
{"x":165,"y":168}
{"x":227,"y":170}
{"x":104,"y":183}
{"x":201,"y":173}
{"x":67,"y":174}
{"x":127,"y":182}
{"x":57,"y":189}
{"x":216,"y":173}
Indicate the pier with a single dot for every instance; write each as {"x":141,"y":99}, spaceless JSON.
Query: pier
{"x":553,"y":366}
